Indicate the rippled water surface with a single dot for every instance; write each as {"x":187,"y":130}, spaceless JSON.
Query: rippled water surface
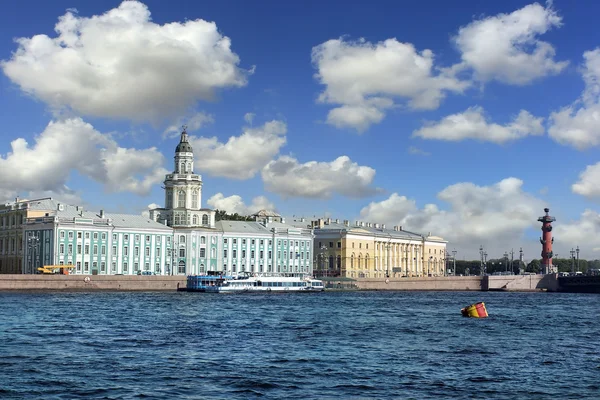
{"x":357,"y":345}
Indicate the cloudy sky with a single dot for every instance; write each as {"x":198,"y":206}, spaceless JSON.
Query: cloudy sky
{"x":464,"y":121}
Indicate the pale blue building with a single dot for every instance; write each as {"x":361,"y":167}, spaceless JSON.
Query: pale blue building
{"x":96,"y":243}
{"x":204,"y":245}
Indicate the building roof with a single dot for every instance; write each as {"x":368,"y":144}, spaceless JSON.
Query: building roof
{"x":184,"y":145}
{"x":67,"y":211}
{"x":241,"y":227}
{"x":378,"y":232}
{"x":265,"y":213}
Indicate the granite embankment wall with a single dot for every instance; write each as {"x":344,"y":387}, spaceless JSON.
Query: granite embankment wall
{"x":457,"y":283}
{"x":172,"y":283}
{"x":517,"y":283}
{"x":95,"y":282}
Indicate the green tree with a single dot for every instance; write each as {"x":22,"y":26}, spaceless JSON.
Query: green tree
{"x":221,"y":215}
{"x":534,"y":266}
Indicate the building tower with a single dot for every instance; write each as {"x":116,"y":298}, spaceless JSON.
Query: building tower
{"x":183,"y":192}
{"x":547,"y":240}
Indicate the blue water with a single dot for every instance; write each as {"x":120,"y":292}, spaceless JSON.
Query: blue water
{"x":332,"y":345}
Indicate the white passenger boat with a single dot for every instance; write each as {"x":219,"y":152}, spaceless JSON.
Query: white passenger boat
{"x":253,"y":283}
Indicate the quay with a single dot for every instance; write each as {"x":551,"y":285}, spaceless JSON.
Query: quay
{"x":549,"y":283}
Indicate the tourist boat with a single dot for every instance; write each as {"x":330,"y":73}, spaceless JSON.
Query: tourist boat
{"x":253,"y":283}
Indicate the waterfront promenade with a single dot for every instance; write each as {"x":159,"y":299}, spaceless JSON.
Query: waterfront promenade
{"x":172,"y":283}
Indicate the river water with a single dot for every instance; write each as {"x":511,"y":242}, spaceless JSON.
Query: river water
{"x":331,"y":345}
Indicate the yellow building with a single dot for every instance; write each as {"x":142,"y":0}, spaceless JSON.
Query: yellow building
{"x":367,"y":250}
{"x":12,"y":217}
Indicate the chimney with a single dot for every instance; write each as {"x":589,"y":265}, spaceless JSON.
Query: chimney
{"x":302,"y":219}
{"x":395,"y":227}
{"x":337,"y":221}
{"x":357,"y":223}
{"x":101,"y":213}
{"x":17,"y":199}
{"x":382,"y":226}
{"x":346,"y":222}
{"x":328,"y":221}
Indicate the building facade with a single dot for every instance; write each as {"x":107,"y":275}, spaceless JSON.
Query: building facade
{"x":96,"y":243}
{"x":203,"y":245}
{"x":12,"y":220}
{"x":367,"y":250}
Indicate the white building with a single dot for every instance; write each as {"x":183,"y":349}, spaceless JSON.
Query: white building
{"x":203,"y":245}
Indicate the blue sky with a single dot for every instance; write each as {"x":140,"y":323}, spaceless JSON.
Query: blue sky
{"x":470,"y":147}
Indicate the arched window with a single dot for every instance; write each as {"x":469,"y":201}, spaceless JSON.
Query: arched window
{"x":359,"y":261}
{"x":189,"y":168}
{"x":182,"y":168}
{"x":339,"y":262}
{"x":213,"y":253}
{"x":366,"y":261}
{"x":176,"y":219}
{"x":195,"y":198}
{"x":352,"y":261}
{"x":181,"y":269}
{"x":205,"y":219}
{"x":202,"y":239}
{"x":331,"y":262}
{"x":181,"y":199}
{"x":181,"y":238}
{"x":195,"y":219}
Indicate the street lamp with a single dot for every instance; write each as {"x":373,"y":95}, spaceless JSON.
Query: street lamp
{"x":321,"y":261}
{"x":429,"y":266}
{"x":454,"y":261}
{"x":505,"y":262}
{"x":572,"y":252}
{"x":34,"y":243}
{"x":577,"y":251}
{"x":485,"y":262}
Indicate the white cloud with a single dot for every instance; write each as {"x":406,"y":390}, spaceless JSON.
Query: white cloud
{"x":365,"y":78}
{"x":417,"y":152}
{"x":151,"y":206}
{"x":472,"y":124}
{"x":193,"y":123}
{"x":588,"y":184}
{"x":241,"y":157}
{"x":288,"y":178}
{"x":73,"y":145}
{"x":249,"y":117}
{"x":62,"y":194}
{"x":495,"y":216}
{"x":235,"y":204}
{"x":584,"y":232}
{"x":578,"y":124}
{"x":506,"y":47}
{"x":122,"y":65}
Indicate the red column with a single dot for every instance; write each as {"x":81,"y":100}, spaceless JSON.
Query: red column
{"x":546,"y":240}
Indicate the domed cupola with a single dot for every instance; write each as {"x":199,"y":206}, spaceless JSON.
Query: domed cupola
{"x":184,"y":145}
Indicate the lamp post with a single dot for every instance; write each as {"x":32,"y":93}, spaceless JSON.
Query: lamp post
{"x":572,"y":252}
{"x":321,"y":261}
{"x":512,"y":260}
{"x":577,"y":251}
{"x":454,"y":262}
{"x":481,"y":260}
{"x":429,"y":266}
{"x":33,"y":242}
{"x":506,"y":262}
{"x":485,"y":262}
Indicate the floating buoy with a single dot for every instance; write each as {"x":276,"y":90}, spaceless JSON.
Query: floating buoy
{"x":476,"y":310}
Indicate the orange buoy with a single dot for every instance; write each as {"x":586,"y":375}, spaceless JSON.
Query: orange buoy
{"x":476,"y":310}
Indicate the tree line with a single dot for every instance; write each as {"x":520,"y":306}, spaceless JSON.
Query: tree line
{"x":221,"y":215}
{"x":473,"y":267}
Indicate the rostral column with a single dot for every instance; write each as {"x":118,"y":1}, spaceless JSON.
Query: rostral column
{"x":546,"y":240}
